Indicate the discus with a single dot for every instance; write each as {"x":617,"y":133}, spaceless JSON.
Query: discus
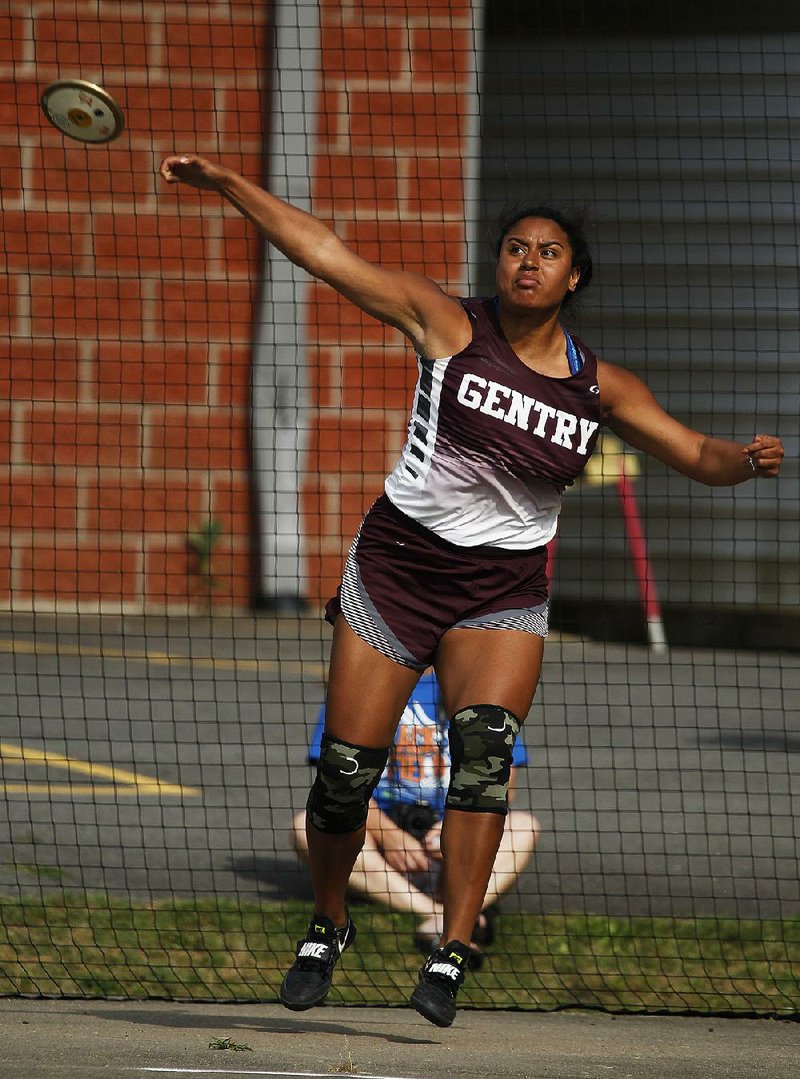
{"x":82,"y":111}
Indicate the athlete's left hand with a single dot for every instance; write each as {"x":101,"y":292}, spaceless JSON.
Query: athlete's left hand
{"x":432,"y":842}
{"x":766,"y":454}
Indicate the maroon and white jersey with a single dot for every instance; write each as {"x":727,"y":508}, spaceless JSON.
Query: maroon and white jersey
{"x":492,"y":444}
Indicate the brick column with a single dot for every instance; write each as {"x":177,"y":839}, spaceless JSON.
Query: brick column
{"x":394,"y":172}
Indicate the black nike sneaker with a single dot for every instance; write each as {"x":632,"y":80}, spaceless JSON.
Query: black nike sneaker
{"x":308,"y":980}
{"x":439,"y":982}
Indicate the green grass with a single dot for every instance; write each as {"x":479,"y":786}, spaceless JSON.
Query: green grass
{"x":212,"y":949}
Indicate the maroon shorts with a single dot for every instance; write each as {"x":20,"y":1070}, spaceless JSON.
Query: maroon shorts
{"x":404,"y":587}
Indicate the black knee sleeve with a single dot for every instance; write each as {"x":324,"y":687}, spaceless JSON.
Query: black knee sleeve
{"x":481,"y":747}
{"x":346,"y":777}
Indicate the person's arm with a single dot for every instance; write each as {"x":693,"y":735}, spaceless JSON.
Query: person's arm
{"x":434,"y":322}
{"x":402,"y":851}
{"x":633,"y":413}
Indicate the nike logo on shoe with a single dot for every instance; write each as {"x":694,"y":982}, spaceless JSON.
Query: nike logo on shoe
{"x":444,"y":968}
{"x":310,"y":950}
{"x":342,"y":937}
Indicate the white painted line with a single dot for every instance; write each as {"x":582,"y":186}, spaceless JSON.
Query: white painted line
{"x":290,"y":1075}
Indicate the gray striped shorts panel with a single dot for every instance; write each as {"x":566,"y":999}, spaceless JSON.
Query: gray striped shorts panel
{"x":528,"y":620}
{"x":363,"y":618}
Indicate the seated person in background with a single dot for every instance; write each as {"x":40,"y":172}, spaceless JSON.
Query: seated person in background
{"x":399,"y":865}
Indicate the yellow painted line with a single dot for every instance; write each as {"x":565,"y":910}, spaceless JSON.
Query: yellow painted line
{"x":83,"y":788}
{"x":125,"y":782}
{"x":264,"y":666}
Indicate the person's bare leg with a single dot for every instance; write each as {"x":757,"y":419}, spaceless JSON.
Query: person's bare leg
{"x":366,"y":696}
{"x":373,"y":878}
{"x":516,"y":847}
{"x":498,"y":667}
{"x":469,"y":844}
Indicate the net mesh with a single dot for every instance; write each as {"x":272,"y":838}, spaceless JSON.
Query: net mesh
{"x":191,"y":430}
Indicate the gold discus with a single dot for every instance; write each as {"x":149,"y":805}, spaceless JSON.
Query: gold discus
{"x":82,"y":111}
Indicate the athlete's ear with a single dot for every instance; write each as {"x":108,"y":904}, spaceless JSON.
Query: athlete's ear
{"x":574,"y":278}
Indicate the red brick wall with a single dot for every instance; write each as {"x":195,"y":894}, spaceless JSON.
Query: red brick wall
{"x":125,"y":340}
{"x":126,"y":306}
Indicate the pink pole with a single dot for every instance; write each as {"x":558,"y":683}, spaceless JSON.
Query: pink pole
{"x":552,"y":547}
{"x":641,"y":564}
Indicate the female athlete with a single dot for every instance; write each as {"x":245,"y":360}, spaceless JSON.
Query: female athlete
{"x":449,"y":567}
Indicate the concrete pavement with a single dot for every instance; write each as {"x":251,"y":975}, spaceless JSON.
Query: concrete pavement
{"x":45,"y":1039}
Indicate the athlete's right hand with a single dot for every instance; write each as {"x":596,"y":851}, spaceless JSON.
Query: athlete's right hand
{"x":193,"y":170}
{"x":403,"y":852}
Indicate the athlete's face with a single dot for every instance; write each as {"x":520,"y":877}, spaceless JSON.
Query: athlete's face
{"x":534,"y":270}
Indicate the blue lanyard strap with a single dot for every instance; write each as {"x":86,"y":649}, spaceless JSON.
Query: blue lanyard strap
{"x":574,"y":358}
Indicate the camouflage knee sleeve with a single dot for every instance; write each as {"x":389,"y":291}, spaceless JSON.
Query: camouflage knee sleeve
{"x":481,"y":745}
{"x":346,"y":777}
